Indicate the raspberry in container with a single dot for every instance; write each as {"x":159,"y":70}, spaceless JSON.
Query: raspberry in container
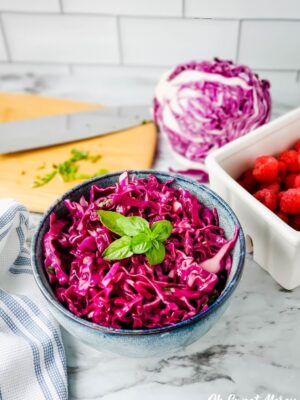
{"x":274,"y":243}
{"x":275,"y":182}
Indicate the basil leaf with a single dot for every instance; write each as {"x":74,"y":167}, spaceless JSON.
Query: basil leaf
{"x":119,"y":249}
{"x":141,"y":243}
{"x":111,"y":220}
{"x":132,"y":226}
{"x":156,"y":255}
{"x":155,"y":244}
{"x":137,"y":237}
{"x":161,"y":230}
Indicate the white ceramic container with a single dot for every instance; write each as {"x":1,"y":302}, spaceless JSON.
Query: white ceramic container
{"x":275,"y":245}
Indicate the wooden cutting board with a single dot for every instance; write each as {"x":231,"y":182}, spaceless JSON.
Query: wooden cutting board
{"x":130,"y":149}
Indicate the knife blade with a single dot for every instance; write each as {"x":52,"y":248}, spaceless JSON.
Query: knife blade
{"x":49,"y":131}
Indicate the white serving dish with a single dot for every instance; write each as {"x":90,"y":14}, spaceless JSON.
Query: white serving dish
{"x":275,"y":245}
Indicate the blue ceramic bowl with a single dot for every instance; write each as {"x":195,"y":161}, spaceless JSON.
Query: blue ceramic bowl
{"x":147,"y":342}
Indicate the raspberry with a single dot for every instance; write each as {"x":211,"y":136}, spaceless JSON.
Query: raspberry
{"x":283,"y":216}
{"x":275,"y":182}
{"x":273,"y":187}
{"x":297,"y":182}
{"x":267,"y":197}
{"x":265,"y":168}
{"x":290,"y":201}
{"x":281,"y":169}
{"x":295,"y":222}
{"x":279,"y":196}
{"x":291,"y":158}
{"x":290,"y":181}
{"x":247,"y":181}
{"x":297,"y":146}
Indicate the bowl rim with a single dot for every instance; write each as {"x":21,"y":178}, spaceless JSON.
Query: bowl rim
{"x":141,"y":332}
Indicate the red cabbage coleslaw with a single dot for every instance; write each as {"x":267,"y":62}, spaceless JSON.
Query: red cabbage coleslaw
{"x":130,"y":293}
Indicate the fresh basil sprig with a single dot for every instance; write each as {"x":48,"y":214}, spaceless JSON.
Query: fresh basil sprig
{"x":119,"y":249}
{"x":136,"y":237}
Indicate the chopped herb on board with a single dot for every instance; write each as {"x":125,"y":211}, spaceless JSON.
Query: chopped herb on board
{"x":68,"y":170}
{"x":42,"y":180}
{"x":43,"y":166}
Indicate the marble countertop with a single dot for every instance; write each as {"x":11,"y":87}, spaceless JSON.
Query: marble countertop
{"x":253,"y":352}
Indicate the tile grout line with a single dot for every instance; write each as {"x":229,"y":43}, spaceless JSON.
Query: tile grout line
{"x":120,"y":44}
{"x":124,"y":16}
{"x":93,"y":14}
{"x":183,"y":8}
{"x":61,"y":6}
{"x":2,"y":30}
{"x":238,"y":44}
{"x":298,"y":76}
{"x":141,"y":16}
{"x":72,"y":64}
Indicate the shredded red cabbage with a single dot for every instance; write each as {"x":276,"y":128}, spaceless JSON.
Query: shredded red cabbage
{"x":200,"y":175}
{"x":131,"y":293}
{"x":201,"y":106}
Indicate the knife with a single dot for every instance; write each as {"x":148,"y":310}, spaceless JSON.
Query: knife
{"x":49,"y":131}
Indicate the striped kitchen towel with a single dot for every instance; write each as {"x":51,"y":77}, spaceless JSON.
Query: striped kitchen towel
{"x":32,"y":357}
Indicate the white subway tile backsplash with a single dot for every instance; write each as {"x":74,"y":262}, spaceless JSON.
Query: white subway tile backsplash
{"x":278,"y":78}
{"x":127,"y":85}
{"x":151,"y":36}
{"x":172,"y":8}
{"x":270,"y":44}
{"x":30,"y":5}
{"x":141,"y":74}
{"x":171,"y":41}
{"x":3,"y":55}
{"x":246,"y":9}
{"x":61,"y":38}
{"x":284,"y":86}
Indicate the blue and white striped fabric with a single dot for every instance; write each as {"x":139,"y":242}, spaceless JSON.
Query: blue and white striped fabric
{"x":32,"y":357}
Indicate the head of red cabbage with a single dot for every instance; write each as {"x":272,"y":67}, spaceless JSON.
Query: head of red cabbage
{"x":202,"y":105}
{"x":131,"y":293}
